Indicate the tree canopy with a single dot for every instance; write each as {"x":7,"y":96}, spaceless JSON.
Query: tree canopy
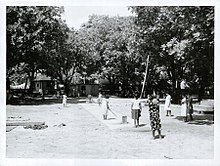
{"x":178,"y":39}
{"x":111,"y":43}
{"x":31,"y":30}
{"x":181,"y":41}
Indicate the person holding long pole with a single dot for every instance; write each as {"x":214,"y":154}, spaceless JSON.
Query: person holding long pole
{"x":136,"y":110}
{"x":155,"y":116}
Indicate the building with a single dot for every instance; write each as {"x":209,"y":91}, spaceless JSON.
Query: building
{"x":43,"y":84}
{"x":85,"y":89}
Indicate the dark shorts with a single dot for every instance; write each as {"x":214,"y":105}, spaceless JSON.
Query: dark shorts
{"x":135,"y":113}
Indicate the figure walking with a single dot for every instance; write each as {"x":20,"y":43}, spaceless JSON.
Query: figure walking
{"x":136,"y":110}
{"x":155,"y":117}
{"x":100,"y":99}
{"x":105,"y":107}
{"x":64,"y":100}
{"x":167,"y":104}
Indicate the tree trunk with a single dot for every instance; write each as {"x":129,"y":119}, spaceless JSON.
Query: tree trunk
{"x":123,"y":89}
{"x":67,"y":88}
{"x":175,"y":84}
{"x":31,"y":78}
{"x":8,"y":91}
{"x":201,"y":90}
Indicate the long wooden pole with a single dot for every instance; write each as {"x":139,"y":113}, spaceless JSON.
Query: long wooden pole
{"x":145,"y":76}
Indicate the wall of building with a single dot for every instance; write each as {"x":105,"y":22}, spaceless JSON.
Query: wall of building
{"x":85,"y":90}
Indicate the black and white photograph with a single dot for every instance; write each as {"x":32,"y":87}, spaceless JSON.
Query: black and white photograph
{"x":126,"y":82}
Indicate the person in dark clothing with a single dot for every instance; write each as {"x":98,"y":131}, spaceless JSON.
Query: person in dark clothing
{"x":190,"y":107}
{"x":154,"y":116}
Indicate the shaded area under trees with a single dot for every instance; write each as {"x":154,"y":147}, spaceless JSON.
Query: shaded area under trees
{"x":179,"y":41}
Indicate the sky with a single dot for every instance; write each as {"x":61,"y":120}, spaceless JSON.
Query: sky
{"x":75,"y":16}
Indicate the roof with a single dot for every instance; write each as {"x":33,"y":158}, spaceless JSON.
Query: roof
{"x":42,"y":78}
{"x":21,"y":86}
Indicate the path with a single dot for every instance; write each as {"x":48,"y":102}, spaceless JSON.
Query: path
{"x":86,"y":135}
{"x":113,"y":121}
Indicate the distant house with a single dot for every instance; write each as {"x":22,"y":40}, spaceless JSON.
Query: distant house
{"x":85,"y":89}
{"x":44,"y":83}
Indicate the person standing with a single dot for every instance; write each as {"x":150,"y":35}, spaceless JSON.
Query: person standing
{"x":155,"y":116}
{"x":100,"y":99}
{"x":105,"y":107}
{"x":90,"y":98}
{"x":184,"y":107}
{"x":190,"y":107}
{"x":167,"y":104}
{"x":136,"y":110}
{"x":64,"y":100}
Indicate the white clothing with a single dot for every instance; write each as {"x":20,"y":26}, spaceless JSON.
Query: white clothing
{"x":167,"y":103}
{"x":183,"y":107}
{"x":64,"y":100}
{"x":183,"y":85}
{"x":136,"y":104}
{"x":100,"y":99}
{"x":105,"y":106}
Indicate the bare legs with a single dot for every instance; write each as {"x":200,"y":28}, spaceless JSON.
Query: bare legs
{"x":168,"y":113}
{"x":137,"y":122}
{"x":159,"y":133}
{"x":190,"y":116}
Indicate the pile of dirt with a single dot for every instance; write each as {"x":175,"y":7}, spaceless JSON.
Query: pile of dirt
{"x":36,"y":127}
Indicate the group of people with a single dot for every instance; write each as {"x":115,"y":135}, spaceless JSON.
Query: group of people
{"x":136,"y":109}
{"x":154,"y":111}
{"x":187,"y":107}
{"x":153,"y":103}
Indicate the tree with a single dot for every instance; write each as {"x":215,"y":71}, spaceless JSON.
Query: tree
{"x":181,"y":40}
{"x":29,"y":29}
{"x":111,"y":43}
{"x":64,"y":58}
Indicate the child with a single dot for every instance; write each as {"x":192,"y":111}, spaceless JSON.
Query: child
{"x":136,"y":110}
{"x":100,"y":99}
{"x":64,"y":100}
{"x":167,"y":104}
{"x":90,"y":98}
{"x":105,"y":107}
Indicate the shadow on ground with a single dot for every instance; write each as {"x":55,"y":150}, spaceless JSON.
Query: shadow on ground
{"x":203,"y":119}
{"x":40,"y":101}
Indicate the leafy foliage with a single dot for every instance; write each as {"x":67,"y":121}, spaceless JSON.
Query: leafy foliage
{"x":111,"y":43}
{"x":29,"y":29}
{"x":181,"y":39}
{"x":38,"y":37}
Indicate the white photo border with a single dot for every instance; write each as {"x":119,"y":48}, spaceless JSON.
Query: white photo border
{"x":96,"y":162}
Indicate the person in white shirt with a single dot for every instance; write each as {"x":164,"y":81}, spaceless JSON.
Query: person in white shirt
{"x":167,"y":104}
{"x":100,"y":99}
{"x":64,"y":100}
{"x":105,"y":107}
{"x":136,"y":110}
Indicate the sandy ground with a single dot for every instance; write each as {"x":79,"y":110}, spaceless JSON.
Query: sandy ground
{"x":86,"y":135}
